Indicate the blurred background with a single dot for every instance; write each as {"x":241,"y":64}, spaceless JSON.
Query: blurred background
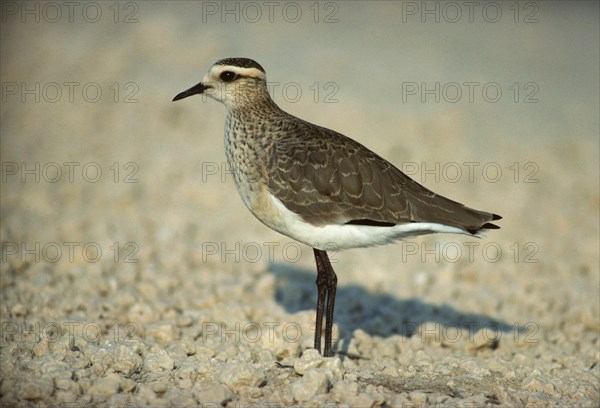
{"x":495,"y":105}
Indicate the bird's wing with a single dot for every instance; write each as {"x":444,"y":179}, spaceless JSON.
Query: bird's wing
{"x":328,"y":178}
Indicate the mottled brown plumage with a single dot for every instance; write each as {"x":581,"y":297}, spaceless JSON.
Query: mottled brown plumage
{"x":326,"y":178}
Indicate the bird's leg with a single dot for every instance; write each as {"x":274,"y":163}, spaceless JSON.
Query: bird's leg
{"x":326,"y":288}
{"x":331,"y":288}
{"x":321,"y":295}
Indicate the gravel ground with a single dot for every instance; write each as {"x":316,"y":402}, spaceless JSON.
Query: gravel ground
{"x":132,"y":275}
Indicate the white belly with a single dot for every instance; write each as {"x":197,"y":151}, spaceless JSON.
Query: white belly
{"x":336,"y":237}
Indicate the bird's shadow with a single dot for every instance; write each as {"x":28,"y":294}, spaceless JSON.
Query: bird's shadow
{"x":378,"y":314}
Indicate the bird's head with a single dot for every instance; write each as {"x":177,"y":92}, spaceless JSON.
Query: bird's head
{"x":233,"y":81}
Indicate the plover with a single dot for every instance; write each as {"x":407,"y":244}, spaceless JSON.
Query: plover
{"x":318,"y":186}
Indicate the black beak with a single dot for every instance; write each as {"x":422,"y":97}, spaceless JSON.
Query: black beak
{"x":196,"y":89}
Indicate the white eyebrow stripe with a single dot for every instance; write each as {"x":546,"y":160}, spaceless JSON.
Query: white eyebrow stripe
{"x":245,"y":72}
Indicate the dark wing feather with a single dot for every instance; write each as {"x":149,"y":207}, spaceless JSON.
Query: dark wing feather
{"x":328,"y":178}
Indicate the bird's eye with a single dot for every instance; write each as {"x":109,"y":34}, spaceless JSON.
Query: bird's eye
{"x":227,"y":76}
